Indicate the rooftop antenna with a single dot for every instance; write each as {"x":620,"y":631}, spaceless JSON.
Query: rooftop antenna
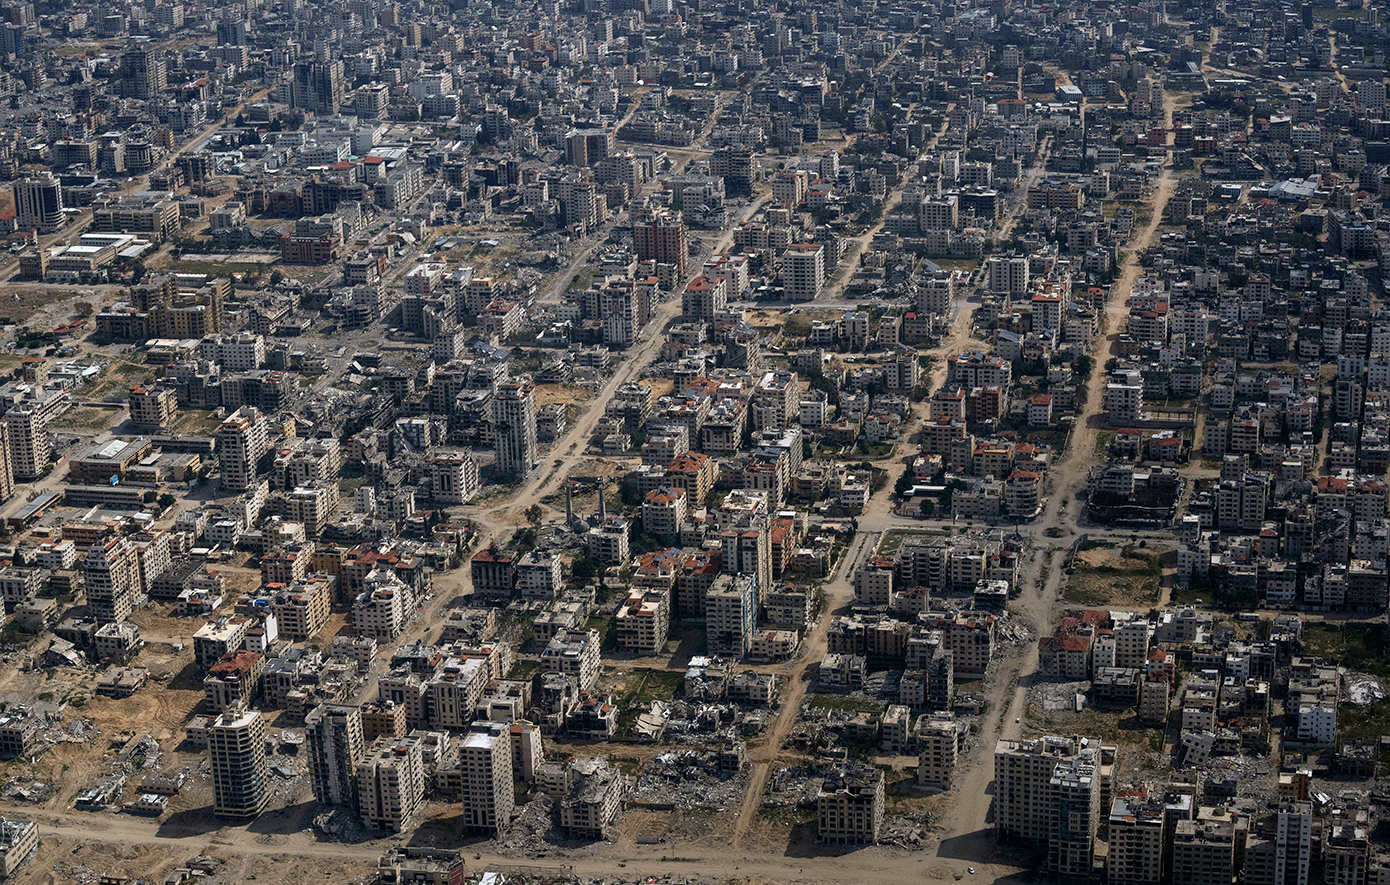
{"x":602,"y":509}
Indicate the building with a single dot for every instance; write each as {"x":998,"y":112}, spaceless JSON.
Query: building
{"x":661,"y":237}
{"x":485,"y":766}
{"x":112,"y":574}
{"x":514,"y":418}
{"x":333,"y":739}
{"x":243,"y":439}
{"x":731,"y":606}
{"x":391,"y":783}
{"x":937,"y":742}
{"x":574,"y":653}
{"x":143,"y":73}
{"x":592,"y":799}
{"x":236,"y":750}
{"x":318,"y":86}
{"x":1204,"y":850}
{"x":455,"y":478}
{"x":803,"y":271}
{"x":1137,"y":833}
{"x":38,"y":204}
{"x":1023,"y":773}
{"x":643,"y":621}
{"x":18,"y":839}
{"x":849,"y":806}
{"x":153,"y":407}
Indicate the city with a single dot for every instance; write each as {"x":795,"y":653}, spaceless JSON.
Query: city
{"x":695,"y":442}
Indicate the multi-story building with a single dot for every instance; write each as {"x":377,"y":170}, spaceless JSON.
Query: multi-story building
{"x":455,"y":478}
{"x":661,"y":237}
{"x":391,"y":783}
{"x":592,"y":799}
{"x":1204,"y":850}
{"x":29,"y":444}
{"x":112,"y":573}
{"x":236,"y":750}
{"x":333,"y":739}
{"x":38,"y":204}
{"x":574,"y":653}
{"x":485,"y":766}
{"x":318,"y":86}
{"x":153,"y":407}
{"x":1023,"y":773}
{"x":803,"y":271}
{"x":731,"y":606}
{"x":514,"y":417}
{"x":643,"y":621}
{"x":1137,"y":829}
{"x":301,"y":608}
{"x":849,"y":806}
{"x":243,"y":439}
{"x":937,"y":740}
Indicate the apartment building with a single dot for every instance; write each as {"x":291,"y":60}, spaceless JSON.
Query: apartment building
{"x":334,"y":741}
{"x":485,"y":766}
{"x":1137,"y":828}
{"x":243,"y":439}
{"x":236,"y":749}
{"x":849,"y":806}
{"x":642,"y":623}
{"x":1204,"y":850}
{"x":112,"y":573}
{"x":514,"y":418}
{"x":574,"y":653}
{"x":730,"y":615}
{"x":391,"y":783}
{"x":937,"y":742}
{"x":1022,"y":783}
{"x":592,"y":799}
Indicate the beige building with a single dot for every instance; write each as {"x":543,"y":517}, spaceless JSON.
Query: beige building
{"x":592,"y":799}
{"x":243,"y":439}
{"x":1136,"y":834}
{"x":334,"y":742}
{"x":391,"y":783}
{"x":485,"y":767}
{"x":301,"y":608}
{"x":574,"y":653}
{"x":850,"y":806}
{"x":236,"y":749}
{"x":18,"y":839}
{"x":643,"y":622}
{"x":937,"y":742}
{"x":1204,"y":850}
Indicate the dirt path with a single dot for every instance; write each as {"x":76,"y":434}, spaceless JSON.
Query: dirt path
{"x":838,"y":594}
{"x":1069,"y":474}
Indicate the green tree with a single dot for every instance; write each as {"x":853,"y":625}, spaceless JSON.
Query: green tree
{"x":584,"y":569}
{"x":166,"y":501}
{"x":903,"y":487}
{"x":533,"y":515}
{"x":928,"y":508}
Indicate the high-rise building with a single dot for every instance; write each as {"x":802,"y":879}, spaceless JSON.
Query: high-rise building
{"x":333,"y":736}
{"x":242,"y":440}
{"x":661,"y":237}
{"x":747,"y":550}
{"x":318,"y":86}
{"x":232,"y":32}
{"x":142,"y":71}
{"x":937,"y":742}
{"x":236,"y":749}
{"x":112,"y":574}
{"x":391,"y":783}
{"x":1022,"y":786}
{"x":485,"y":764}
{"x":731,"y":609}
{"x":153,"y":407}
{"x":1137,"y":827}
{"x":1007,"y":275}
{"x":1204,"y":849}
{"x":38,"y":204}
{"x":1073,"y":815}
{"x":514,"y":418}
{"x":29,"y":444}
{"x":803,"y":271}
{"x":6,"y":464}
{"x":850,"y":806}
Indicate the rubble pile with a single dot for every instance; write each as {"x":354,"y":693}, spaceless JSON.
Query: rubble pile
{"x":341,"y":825}
{"x":905,"y":831}
{"x":688,"y":780}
